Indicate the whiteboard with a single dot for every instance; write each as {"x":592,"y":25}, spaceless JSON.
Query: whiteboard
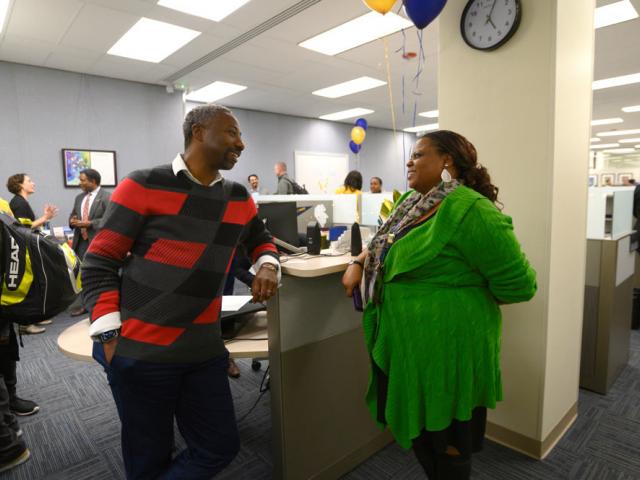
{"x":321,"y":173}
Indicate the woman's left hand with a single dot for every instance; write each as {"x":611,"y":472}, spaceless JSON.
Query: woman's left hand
{"x":352,"y":278}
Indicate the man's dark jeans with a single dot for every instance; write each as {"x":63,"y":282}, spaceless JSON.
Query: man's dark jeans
{"x":149,"y":395}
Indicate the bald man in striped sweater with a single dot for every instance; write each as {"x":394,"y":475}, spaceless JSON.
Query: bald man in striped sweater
{"x":153,"y":279}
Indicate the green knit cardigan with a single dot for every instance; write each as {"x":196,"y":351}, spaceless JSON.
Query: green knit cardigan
{"x":437,"y":332}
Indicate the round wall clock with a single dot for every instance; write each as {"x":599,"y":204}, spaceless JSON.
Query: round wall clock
{"x":488,"y":24}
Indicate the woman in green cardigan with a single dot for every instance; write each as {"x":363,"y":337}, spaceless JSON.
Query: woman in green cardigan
{"x":433,"y":278}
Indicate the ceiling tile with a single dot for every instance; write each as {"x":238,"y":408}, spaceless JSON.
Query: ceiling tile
{"x":98,"y":28}
{"x":25,"y":50}
{"x":43,"y":20}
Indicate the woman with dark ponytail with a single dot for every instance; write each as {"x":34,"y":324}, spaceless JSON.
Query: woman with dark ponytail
{"x":433,"y":278}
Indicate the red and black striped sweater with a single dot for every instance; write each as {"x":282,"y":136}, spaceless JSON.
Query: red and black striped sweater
{"x":159,"y":263}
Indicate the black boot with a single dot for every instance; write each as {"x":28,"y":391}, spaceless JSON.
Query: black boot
{"x":426,"y":457}
{"x":453,"y":467}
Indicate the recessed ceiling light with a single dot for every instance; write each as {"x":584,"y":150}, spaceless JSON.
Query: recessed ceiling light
{"x":620,"y":150}
{"x":605,"y":145}
{"x":616,"y":81}
{"x":614,"y":13}
{"x":422,"y":128}
{"x":595,"y":139}
{"x":606,"y":121}
{"x":214,"y":91}
{"x":430,"y":114}
{"x":347,"y":88}
{"x":354,"y":112}
{"x":214,"y":10}
{"x":616,"y":133}
{"x":631,"y":109}
{"x":152,"y":41}
{"x":4,"y":10}
{"x":629,"y":140}
{"x":356,"y":32}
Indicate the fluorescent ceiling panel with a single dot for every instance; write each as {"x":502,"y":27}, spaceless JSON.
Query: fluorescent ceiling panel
{"x":631,"y":109}
{"x":152,"y":41}
{"x":214,"y":91}
{"x":605,"y":145}
{"x":4,"y":10}
{"x":356,"y":32}
{"x":620,"y":150}
{"x":616,"y":133}
{"x":347,"y":88}
{"x":422,"y":128}
{"x":354,"y":112}
{"x":614,"y":13}
{"x":595,"y":139}
{"x":616,"y":81}
{"x":606,"y":121}
{"x":629,"y":140}
{"x":430,"y":114}
{"x":214,"y":10}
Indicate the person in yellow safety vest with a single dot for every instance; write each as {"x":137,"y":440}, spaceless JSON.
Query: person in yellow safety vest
{"x":13,"y":450}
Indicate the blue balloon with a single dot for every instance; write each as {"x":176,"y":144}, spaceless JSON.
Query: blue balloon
{"x":423,"y":12}
{"x":361,"y":122}
{"x":355,"y":148}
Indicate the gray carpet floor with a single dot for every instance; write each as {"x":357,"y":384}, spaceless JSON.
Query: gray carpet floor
{"x":76,"y":433}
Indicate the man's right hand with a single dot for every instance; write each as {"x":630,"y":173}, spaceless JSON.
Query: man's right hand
{"x":110,"y":349}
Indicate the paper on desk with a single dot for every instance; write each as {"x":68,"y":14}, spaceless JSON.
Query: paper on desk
{"x":233,"y":303}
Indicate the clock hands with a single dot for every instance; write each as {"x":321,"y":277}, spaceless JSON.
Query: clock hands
{"x":489,"y":16}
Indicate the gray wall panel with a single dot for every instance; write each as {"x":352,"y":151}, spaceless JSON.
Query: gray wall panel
{"x":45,"y":110}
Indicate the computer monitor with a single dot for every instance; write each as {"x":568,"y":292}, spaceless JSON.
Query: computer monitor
{"x":281,"y":219}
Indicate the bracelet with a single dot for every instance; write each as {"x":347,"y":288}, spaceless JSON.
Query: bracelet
{"x":272,"y":266}
{"x":356,"y":262}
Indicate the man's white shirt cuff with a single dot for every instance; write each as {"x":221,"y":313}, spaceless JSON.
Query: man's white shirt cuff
{"x":110,"y":321}
{"x":268,"y":259}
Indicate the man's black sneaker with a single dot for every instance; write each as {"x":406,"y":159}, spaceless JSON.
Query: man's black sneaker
{"x":22,"y":407}
{"x":15,"y":459}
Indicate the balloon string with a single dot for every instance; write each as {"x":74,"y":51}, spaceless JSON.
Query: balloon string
{"x":393,"y":113}
{"x":404,"y":44}
{"x":421,"y":60}
{"x":403,"y":95}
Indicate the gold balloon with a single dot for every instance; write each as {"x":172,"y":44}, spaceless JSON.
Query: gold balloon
{"x":357,"y":135}
{"x":380,"y":6}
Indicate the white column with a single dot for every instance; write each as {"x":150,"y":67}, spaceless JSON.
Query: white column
{"x":527,"y":108}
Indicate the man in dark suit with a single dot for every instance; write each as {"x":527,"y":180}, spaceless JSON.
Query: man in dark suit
{"x":86,"y":217}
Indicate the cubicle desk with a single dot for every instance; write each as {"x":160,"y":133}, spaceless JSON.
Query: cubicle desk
{"x":319,"y":374}
{"x":319,"y":371}
{"x":607,"y":311}
{"x":75,"y":343}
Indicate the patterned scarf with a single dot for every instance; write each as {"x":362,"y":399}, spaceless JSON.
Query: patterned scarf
{"x":414,"y":207}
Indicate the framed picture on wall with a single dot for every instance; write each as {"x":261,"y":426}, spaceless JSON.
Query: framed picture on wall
{"x":74,"y":160}
{"x":607,"y":179}
{"x":593,"y":180}
{"x":623,"y":178}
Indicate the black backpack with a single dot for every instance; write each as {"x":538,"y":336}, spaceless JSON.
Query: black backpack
{"x":297,"y":188}
{"x":40,"y":276}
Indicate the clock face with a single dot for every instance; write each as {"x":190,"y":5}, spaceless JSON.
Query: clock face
{"x":487,"y":24}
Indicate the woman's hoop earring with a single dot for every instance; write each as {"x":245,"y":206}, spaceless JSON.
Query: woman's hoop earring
{"x":445,"y":176}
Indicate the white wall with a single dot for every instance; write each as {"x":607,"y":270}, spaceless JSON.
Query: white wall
{"x":526,"y":107}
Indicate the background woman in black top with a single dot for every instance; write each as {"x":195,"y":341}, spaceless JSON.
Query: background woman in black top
{"x":22,"y":186}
